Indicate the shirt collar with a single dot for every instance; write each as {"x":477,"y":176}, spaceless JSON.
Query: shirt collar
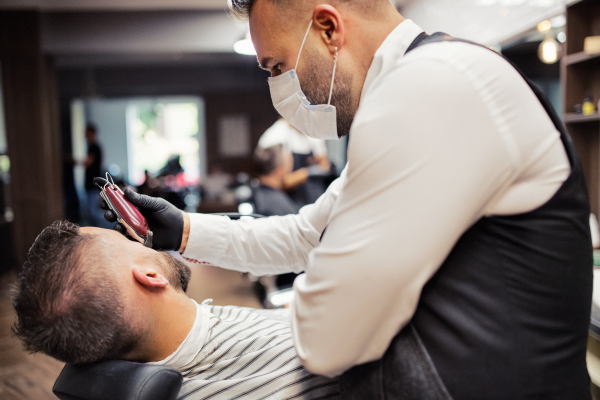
{"x":392,"y":49}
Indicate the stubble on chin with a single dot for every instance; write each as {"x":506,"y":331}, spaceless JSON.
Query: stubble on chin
{"x":178,"y":274}
{"x":316,"y":83}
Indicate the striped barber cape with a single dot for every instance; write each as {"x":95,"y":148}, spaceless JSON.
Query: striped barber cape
{"x":247,"y":354}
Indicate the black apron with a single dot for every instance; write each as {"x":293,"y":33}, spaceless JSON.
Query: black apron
{"x":507,"y":314}
{"x":309,"y":191}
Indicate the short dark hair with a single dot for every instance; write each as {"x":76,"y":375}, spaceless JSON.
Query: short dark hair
{"x":241,"y":9}
{"x":91,"y":128}
{"x":62,"y":310}
{"x":266,"y":160}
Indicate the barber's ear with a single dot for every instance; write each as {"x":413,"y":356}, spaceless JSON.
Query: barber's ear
{"x":330,"y":24}
{"x":149,"y":277}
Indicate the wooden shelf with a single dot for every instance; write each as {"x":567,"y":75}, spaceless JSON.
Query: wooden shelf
{"x":580,"y":78}
{"x":572,"y":118}
{"x":581,"y":57}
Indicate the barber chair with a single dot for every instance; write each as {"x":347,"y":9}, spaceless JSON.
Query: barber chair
{"x":121,"y":380}
{"x":118,"y":380}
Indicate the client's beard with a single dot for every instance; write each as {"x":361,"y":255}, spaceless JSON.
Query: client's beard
{"x":177,"y":273}
{"x":316,"y":84}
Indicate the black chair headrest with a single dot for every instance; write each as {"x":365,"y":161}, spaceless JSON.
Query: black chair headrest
{"x":118,"y":380}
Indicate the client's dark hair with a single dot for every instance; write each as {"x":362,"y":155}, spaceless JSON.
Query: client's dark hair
{"x":67,"y":306}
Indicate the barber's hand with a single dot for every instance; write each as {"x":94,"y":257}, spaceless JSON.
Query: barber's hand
{"x":165,"y":220}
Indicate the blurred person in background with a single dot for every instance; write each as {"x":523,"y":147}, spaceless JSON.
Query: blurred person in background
{"x":150,"y":186}
{"x":93,"y":169}
{"x":272,"y":165}
{"x":307,"y":152}
{"x":173,"y":187}
{"x":216,"y":184}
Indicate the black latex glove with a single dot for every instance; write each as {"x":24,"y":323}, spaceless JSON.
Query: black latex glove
{"x":165,"y":220}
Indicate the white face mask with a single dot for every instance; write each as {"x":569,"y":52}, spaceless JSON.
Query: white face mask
{"x":316,"y":121}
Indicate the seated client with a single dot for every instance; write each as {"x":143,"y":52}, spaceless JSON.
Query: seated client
{"x":89,"y":294}
{"x":272,"y":165}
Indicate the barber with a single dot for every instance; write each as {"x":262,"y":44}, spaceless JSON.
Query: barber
{"x":456,"y":263}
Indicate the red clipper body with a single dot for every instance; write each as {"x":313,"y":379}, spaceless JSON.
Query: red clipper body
{"x":127,"y":214}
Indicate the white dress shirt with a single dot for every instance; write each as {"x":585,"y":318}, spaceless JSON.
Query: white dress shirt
{"x":444,"y":136}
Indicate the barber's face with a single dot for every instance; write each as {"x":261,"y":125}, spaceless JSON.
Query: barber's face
{"x":315,"y":79}
{"x":277,"y":41}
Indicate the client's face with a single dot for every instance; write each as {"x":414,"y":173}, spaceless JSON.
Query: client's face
{"x":129,"y":254}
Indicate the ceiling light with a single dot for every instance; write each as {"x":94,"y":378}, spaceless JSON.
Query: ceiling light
{"x":244,"y":46}
{"x":562,"y":37}
{"x":558,"y":21}
{"x":549,"y":50}
{"x":544,"y":26}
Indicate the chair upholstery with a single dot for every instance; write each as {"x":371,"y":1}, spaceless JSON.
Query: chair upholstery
{"x":118,"y":380}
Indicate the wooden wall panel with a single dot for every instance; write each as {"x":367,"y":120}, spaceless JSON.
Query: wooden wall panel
{"x":32,"y":128}
{"x":257,"y":106}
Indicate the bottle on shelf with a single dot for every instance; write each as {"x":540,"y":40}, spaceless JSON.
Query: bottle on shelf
{"x":588,"y":105}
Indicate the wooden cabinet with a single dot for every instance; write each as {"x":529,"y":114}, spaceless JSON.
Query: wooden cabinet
{"x":580,"y":76}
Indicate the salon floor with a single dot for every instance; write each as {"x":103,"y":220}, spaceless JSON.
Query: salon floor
{"x":26,"y":376}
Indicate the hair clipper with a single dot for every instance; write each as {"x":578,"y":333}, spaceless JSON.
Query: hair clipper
{"x":127,"y":214}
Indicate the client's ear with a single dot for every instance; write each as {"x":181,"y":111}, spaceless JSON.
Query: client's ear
{"x":149,"y":277}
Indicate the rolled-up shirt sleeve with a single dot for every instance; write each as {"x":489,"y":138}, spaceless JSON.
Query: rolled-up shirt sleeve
{"x":265,"y":246}
{"x":413,"y":187}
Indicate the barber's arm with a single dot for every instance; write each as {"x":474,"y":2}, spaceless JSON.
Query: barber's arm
{"x":414,"y":185}
{"x":264,"y":246}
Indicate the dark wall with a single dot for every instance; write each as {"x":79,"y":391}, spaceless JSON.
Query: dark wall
{"x":525,"y":56}
{"x":233,"y":86}
{"x":545,"y":76}
{"x":32,"y":128}
{"x":164,"y":79}
{"x":262,"y":115}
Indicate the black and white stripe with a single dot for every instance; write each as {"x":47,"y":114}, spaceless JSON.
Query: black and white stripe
{"x":249,"y":354}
